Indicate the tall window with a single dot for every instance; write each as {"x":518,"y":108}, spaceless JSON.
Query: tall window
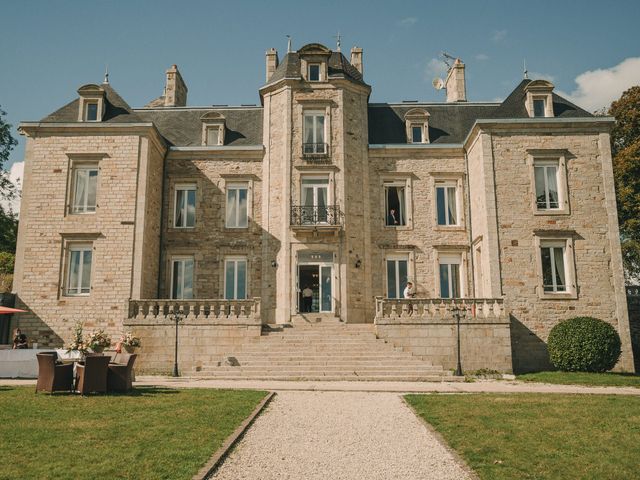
{"x":85,"y":185}
{"x":447,"y":203}
{"x":314,"y":72}
{"x":539,"y":106}
{"x":185,"y":206}
{"x":235,"y":278}
{"x":79,"y":270}
{"x":546,"y":178}
{"x":416,"y":134}
{"x":91,"y":111}
{"x":237,"y":207}
{"x":553,"y":266}
{"x":397,"y":275}
{"x":395,"y":203}
{"x":315,"y":199}
{"x":450,"y":276}
{"x":182,"y":277}
{"x":314,"y":138}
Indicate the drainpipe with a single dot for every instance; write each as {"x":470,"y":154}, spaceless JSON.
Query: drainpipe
{"x":468,"y":201}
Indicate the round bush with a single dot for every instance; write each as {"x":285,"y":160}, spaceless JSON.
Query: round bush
{"x":584,"y":344}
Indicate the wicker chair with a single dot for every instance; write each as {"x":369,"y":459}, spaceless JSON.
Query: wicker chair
{"x":119,"y":378}
{"x":92,"y":376}
{"x":53,"y":377}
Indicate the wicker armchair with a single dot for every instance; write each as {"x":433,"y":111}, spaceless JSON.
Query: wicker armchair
{"x":53,"y":377}
{"x":119,"y":378}
{"x":92,"y":376}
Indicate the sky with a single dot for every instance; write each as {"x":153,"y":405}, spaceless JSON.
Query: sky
{"x":590,"y":50}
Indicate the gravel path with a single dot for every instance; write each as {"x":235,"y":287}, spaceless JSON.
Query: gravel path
{"x":339,"y":435}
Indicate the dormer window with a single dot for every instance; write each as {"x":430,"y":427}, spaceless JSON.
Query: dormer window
{"x":314,"y":72}
{"x":213,"y":128}
{"x":91,"y":112}
{"x":91,"y":104}
{"x":539,"y":99}
{"x":417,"y":125}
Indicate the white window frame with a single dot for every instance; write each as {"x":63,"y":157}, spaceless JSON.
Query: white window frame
{"x":556,"y":242}
{"x":550,"y":157}
{"x":447,"y":184}
{"x":96,"y":98}
{"x":315,"y":114}
{"x":209,"y":128}
{"x":451,"y":259}
{"x":396,"y":256}
{"x":78,"y":247}
{"x":451,"y":254}
{"x":421,"y":126}
{"x":233,"y":260}
{"x":314,"y":64}
{"x":84,"y":208}
{"x":182,"y":258}
{"x":86,"y":110}
{"x":239,"y":185}
{"x":184,"y":187}
{"x":406,"y":183}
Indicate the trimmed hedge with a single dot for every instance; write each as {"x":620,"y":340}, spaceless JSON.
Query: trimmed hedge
{"x":584,"y":344}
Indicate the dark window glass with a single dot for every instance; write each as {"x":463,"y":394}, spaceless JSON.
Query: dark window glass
{"x":538,"y":108}
{"x":92,"y":112}
{"x":314,"y":73}
{"x":416,"y":134}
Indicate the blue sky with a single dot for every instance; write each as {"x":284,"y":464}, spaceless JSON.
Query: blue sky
{"x":51,"y":48}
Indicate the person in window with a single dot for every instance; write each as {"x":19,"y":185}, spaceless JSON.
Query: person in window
{"x":19,"y":340}
{"x":392,"y":218}
{"x":307,"y":299}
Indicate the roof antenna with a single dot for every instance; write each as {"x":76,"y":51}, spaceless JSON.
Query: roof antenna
{"x":448,"y":59}
{"x":526,"y":72}
{"x":288,"y":43}
{"x":106,"y":74}
{"x":338,"y":38}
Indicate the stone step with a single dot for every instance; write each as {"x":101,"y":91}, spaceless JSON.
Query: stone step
{"x":258,"y":362}
{"x":338,"y":378}
{"x":323,"y":358}
{"x":323,"y":368}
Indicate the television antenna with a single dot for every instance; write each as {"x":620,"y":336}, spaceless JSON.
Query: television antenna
{"x":447,"y":59}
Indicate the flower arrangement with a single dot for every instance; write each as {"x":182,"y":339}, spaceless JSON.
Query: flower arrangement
{"x":98,"y":341}
{"x":77,"y":340}
{"x":129,"y":342}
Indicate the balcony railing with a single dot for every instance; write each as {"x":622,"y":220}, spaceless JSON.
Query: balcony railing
{"x":329,"y":215}
{"x":391,"y":310}
{"x":315,"y":150}
{"x":207,"y":310}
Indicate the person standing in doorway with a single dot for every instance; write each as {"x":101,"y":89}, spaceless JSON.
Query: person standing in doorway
{"x":409,"y":292}
{"x":307,"y":299}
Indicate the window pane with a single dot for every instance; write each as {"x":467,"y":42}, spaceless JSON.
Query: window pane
{"x":176,"y":288}
{"x":230,"y":278}
{"x":402,"y":273}
{"x":180,"y":208}
{"x":191,"y":208}
{"x":74,"y":271}
{"x":314,"y":73}
{"x":80,"y":191}
{"x":86,"y":271}
{"x":444,"y":281}
{"x":538,"y":108}
{"x":451,"y":200}
{"x":92,"y":111}
{"x":547,"y":276}
{"x":395,"y":197}
{"x":442,"y":214}
{"x":319,"y":129}
{"x":455,"y":280}
{"x":391,"y":279}
{"x":213,"y":136}
{"x":242,"y":207}
{"x":187,"y":285}
{"x":558,"y":254}
{"x":92,"y":185}
{"x":552,"y":185}
{"x":416,"y":134}
{"x":541,"y":197}
{"x":241,"y":279}
{"x":308,"y":131}
{"x":231,"y":207}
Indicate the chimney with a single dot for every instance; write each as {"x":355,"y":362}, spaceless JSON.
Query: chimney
{"x":175,"y":91}
{"x":272,"y":62}
{"x":455,"y":84}
{"x":356,"y":59}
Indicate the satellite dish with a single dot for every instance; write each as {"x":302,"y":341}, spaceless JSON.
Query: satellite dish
{"x":438,"y":83}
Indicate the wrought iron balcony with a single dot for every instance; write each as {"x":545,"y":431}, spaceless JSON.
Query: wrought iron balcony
{"x":315,"y":150}
{"x":304,"y":216}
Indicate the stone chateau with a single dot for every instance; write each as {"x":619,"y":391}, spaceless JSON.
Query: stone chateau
{"x":285,"y":234}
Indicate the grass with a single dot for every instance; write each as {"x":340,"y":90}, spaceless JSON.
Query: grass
{"x":539,"y":436}
{"x":608,"y":379}
{"x":152,"y":433}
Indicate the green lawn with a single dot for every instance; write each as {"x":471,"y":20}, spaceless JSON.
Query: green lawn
{"x":536,"y":436}
{"x":153,"y":433}
{"x":582,"y":378}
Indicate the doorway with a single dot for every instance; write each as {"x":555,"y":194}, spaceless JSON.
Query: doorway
{"x":315,"y":288}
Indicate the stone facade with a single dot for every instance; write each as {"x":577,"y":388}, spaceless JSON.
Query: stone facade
{"x":484,"y":153}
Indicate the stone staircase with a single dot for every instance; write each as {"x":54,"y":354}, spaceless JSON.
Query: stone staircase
{"x":327,"y":350}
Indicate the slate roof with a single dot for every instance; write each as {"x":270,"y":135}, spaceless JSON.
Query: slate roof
{"x":338,"y":67}
{"x":182,"y":126}
{"x":116,"y":109}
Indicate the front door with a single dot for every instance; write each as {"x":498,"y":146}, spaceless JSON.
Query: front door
{"x":315,"y":288}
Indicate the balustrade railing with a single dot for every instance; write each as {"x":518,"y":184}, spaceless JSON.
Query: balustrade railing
{"x":438,"y":308}
{"x":315,"y":149}
{"x":302,"y":215}
{"x":205,"y":309}
{"x":633,"y":291}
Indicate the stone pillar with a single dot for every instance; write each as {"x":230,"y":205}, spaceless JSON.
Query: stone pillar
{"x":272,"y":62}
{"x":356,"y":59}
{"x":175,"y":91}
{"x":455,"y":83}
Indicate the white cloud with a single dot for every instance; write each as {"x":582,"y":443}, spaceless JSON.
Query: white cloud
{"x":541,"y":76}
{"x":407,"y":22}
{"x":499,"y":35}
{"x":598,"y":88}
{"x":15,"y":175}
{"x":481,"y":57}
{"x":435,"y":68}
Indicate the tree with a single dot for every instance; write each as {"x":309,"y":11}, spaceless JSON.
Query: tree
{"x":8,"y":191}
{"x":625,"y":147}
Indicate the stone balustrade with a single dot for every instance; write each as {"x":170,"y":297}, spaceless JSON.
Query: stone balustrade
{"x":200,"y":310}
{"x":392,"y":310}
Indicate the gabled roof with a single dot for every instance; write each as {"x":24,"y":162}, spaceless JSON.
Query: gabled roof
{"x":116,"y":109}
{"x":338,"y":67}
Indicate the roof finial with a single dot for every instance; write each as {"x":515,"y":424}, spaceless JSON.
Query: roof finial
{"x":526,"y":72}
{"x":106,"y":74}
{"x":288,"y":43}
{"x":338,"y":38}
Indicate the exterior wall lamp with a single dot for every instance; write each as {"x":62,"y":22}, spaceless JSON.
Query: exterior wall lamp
{"x":274,"y":264}
{"x":358,"y":262}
